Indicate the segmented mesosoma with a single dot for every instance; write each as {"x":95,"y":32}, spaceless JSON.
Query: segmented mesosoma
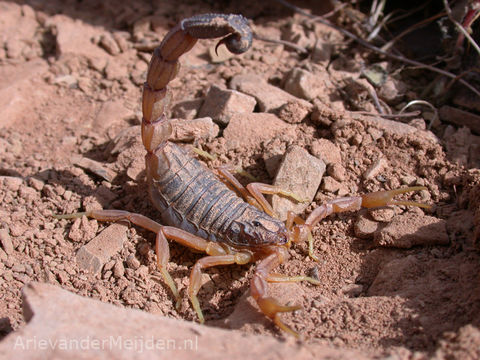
{"x":202,"y":212}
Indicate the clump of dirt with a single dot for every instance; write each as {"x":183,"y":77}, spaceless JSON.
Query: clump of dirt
{"x":70,"y":88}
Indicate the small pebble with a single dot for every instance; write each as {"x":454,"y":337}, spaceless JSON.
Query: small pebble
{"x":132,"y":262}
{"x":118,"y":269}
{"x":6,"y":241}
{"x":11,"y":183}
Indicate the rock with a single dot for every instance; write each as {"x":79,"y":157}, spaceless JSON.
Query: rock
{"x":100,"y":249}
{"x":466,"y":99}
{"x":103,"y":330}
{"x":392,"y":91}
{"x":352,"y":290}
{"x":109,"y":44}
{"x":16,"y":82}
{"x":325,"y":115}
{"x":94,"y":167}
{"x":300,"y":173}
{"x":269,"y":97}
{"x":250,"y":130}
{"x":11,"y":183}
{"x":132,"y":262}
{"x":6,"y":241}
{"x":331,"y":185}
{"x":412,"y":229}
{"x":383,"y":214}
{"x":116,"y":69}
{"x":390,"y":127}
{"x":187,"y":109}
{"x":305,"y":85}
{"x":397,"y":276}
{"x":272,"y":157}
{"x":295,"y":33}
{"x":110,"y":113}
{"x":220,"y":104}
{"x":82,"y":228}
{"x":293,"y":112}
{"x":364,"y":227}
{"x":244,"y":317}
{"x":118,"y":269}
{"x":68,"y":41}
{"x":460,"y":117}
{"x":337,"y":171}
{"x":463,"y":147}
{"x":375,"y":168}
{"x":189,"y":130}
{"x":322,"y":51}
{"x":125,"y":139}
{"x":327,"y":151}
{"x":69,"y":81}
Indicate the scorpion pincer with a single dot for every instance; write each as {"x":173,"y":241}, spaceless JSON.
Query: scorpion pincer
{"x":200,"y":211}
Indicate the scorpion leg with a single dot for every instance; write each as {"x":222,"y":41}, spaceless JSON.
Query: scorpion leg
{"x":301,"y":232}
{"x":253,"y":193}
{"x":161,"y":245}
{"x":258,"y":190}
{"x":225,"y":173}
{"x":259,"y":286}
{"x":206,"y":262}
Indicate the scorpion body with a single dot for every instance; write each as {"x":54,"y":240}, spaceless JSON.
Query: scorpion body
{"x":199,"y":210}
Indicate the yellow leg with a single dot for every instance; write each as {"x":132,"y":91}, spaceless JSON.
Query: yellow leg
{"x":206,"y":262}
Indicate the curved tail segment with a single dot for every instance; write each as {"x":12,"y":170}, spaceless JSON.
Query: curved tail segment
{"x":164,"y":66}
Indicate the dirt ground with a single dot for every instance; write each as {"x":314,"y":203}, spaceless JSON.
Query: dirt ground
{"x":71,"y":75}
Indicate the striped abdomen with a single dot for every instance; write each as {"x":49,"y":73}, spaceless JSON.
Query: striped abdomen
{"x":190,"y":197}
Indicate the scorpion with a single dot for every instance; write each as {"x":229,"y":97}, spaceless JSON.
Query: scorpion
{"x":214,"y":213}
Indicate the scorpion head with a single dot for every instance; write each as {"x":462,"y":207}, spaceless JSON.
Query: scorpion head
{"x":261,"y":230}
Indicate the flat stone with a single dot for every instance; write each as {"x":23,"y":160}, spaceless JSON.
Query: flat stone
{"x":187,"y":109}
{"x":327,"y":151}
{"x":305,"y":85}
{"x":189,"y":130}
{"x":391,"y":127}
{"x":16,"y":82}
{"x":110,"y":113}
{"x":220,"y":104}
{"x":95,"y":167}
{"x":72,"y":326}
{"x":270,"y":98}
{"x":68,"y":40}
{"x":250,"y":130}
{"x":300,"y":173}
{"x":68,"y":81}
{"x":100,"y":249}
{"x":412,"y":229}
